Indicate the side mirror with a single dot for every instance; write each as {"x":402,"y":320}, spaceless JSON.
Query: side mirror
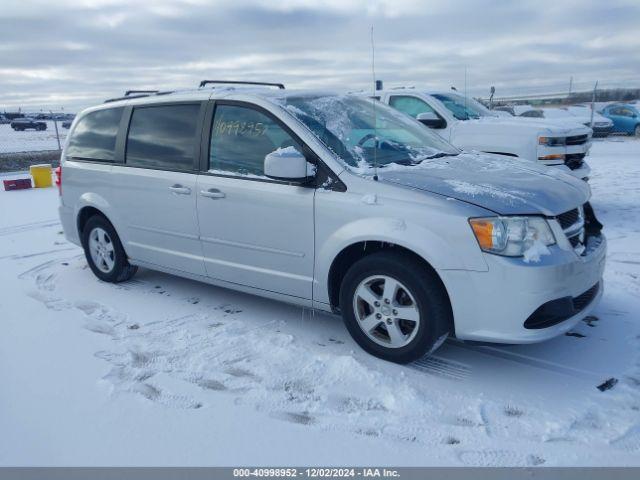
{"x":289,"y":165}
{"x":431,"y":120}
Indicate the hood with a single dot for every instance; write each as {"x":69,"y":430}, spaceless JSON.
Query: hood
{"x":504,"y":185}
{"x":550,"y":126}
{"x":597,"y":119}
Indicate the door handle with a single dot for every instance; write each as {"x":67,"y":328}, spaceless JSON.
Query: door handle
{"x":180,"y":190}
{"x":212,"y":193}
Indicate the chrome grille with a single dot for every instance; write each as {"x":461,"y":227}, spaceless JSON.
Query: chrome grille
{"x":567,"y":219}
{"x":572,"y":223}
{"x":577,"y":139}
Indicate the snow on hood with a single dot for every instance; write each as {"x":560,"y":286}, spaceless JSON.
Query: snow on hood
{"x":501,"y":184}
{"x":556,"y":125}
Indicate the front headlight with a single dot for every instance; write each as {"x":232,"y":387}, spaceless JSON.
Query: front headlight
{"x":552,"y":141}
{"x":511,"y":236}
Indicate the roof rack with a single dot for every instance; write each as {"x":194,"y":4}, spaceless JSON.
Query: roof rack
{"x":139,"y":92}
{"x":125,"y":98}
{"x":130,"y":94}
{"x":236,"y":82}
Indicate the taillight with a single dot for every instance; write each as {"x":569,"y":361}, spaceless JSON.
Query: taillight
{"x":59,"y":179}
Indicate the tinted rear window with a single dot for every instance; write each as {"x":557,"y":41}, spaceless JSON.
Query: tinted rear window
{"x":163,"y":137}
{"x":94,"y":137}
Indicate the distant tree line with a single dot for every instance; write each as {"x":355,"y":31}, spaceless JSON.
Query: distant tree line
{"x":606,"y":95}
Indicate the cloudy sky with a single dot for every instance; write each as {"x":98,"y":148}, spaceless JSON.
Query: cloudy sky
{"x":72,"y":54}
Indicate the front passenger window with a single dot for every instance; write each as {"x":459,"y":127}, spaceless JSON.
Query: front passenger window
{"x":240,"y":139}
{"x":412,"y":106}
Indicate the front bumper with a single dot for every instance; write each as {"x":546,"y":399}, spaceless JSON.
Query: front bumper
{"x":574,"y":155}
{"x":493,"y":306}
{"x":582,"y":172}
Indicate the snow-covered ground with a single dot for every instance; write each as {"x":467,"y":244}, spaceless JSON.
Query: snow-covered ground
{"x":166,"y":371}
{"x":30,"y":140}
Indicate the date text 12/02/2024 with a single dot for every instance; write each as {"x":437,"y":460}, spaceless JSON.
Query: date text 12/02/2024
{"x":316,"y":472}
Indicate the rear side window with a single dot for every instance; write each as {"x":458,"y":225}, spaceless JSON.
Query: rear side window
{"x":163,"y":137}
{"x":94,"y":137}
{"x":240,"y":139}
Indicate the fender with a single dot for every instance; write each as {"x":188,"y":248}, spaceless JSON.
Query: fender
{"x":439,"y":252}
{"x":92,"y":199}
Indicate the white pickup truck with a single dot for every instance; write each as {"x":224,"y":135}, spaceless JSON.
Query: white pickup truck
{"x":467,"y":124}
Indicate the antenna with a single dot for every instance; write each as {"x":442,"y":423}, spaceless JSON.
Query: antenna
{"x":593,"y":103}
{"x":373,"y":103}
{"x":465,"y":90}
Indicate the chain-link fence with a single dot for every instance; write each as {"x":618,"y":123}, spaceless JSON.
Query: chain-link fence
{"x":25,"y":142}
{"x":611,"y":101}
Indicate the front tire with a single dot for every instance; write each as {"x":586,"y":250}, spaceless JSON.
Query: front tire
{"x":104,"y":253}
{"x":637,"y":131}
{"x":394,"y":307}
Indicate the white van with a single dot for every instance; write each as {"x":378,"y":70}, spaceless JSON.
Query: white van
{"x":334,"y":202}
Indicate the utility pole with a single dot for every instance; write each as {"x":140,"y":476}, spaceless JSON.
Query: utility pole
{"x":570,"y":89}
{"x":55,"y":124}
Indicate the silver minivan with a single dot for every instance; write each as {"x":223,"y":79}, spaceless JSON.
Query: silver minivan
{"x":334,"y":202}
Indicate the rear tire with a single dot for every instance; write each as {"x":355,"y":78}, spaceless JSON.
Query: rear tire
{"x":104,"y":253}
{"x":637,"y":131}
{"x":394,"y":307}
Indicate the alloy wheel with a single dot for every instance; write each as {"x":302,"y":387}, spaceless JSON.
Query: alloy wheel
{"x":386,"y":311}
{"x":101,"y":250}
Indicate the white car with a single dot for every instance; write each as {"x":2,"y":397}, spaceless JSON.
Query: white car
{"x":602,"y":126}
{"x":520,"y":109}
{"x":469,"y":125}
{"x":334,"y":202}
{"x":502,"y":113}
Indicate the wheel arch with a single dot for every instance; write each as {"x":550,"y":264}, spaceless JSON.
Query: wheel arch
{"x":90,"y":209}
{"x":358,"y":250}
{"x":85,"y":213}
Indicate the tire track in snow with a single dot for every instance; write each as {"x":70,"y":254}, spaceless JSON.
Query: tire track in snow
{"x":498,"y":458}
{"x":528,"y":360}
{"x":27,"y":226}
{"x":441,"y":367}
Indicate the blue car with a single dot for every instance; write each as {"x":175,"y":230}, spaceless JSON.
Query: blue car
{"x":625,"y":118}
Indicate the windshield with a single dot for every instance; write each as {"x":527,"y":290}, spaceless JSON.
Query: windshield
{"x":365,"y":133}
{"x":463,"y":108}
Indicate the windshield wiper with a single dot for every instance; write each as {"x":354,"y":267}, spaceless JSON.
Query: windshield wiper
{"x":407,"y":162}
{"x":439,"y":155}
{"x":410,"y":162}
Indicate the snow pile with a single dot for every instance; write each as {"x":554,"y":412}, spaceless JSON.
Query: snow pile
{"x":290,"y":151}
{"x":370,"y":199}
{"x":536,"y":250}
